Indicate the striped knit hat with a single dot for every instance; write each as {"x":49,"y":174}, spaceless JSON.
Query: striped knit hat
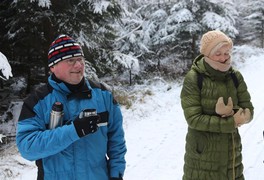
{"x":63,"y":47}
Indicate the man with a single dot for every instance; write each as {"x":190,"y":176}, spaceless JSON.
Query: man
{"x":77,"y":148}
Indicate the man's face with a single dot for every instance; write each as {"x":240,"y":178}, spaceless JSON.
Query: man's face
{"x":70,"y":70}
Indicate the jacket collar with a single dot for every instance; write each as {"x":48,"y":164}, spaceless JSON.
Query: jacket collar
{"x":202,"y":67}
{"x":79,"y":91}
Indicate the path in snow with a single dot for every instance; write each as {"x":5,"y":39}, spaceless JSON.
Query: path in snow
{"x":155,"y":142}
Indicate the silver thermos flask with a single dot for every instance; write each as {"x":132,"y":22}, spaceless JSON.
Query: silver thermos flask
{"x":56,"y":115}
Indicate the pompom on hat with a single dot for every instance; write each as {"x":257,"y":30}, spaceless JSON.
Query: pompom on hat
{"x":63,"y":47}
{"x":211,"y":39}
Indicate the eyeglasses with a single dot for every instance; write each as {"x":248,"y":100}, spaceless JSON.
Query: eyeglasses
{"x":73,"y":61}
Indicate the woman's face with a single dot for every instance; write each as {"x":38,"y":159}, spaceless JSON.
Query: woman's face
{"x":221,"y":55}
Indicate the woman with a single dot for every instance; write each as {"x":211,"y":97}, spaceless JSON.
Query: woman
{"x":216,"y":102}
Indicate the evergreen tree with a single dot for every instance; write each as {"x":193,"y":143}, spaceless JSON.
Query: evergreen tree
{"x":190,"y":19}
{"x":34,"y":24}
{"x":254,"y":21}
{"x":168,"y":32}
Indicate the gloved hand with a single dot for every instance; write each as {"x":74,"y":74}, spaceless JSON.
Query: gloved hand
{"x":247,"y":115}
{"x":86,"y":125}
{"x":241,"y":117}
{"x":222,"y":109}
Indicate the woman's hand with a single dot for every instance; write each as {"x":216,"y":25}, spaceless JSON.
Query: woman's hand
{"x":222,"y":109}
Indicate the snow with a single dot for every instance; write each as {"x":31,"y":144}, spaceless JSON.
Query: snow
{"x":215,"y":21}
{"x":2,"y":136}
{"x":5,"y":67}
{"x":43,"y":3}
{"x":101,"y":6}
{"x":127,"y":61}
{"x":155,"y":130}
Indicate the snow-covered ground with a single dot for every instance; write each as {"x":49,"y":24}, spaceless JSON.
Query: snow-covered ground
{"x":155,"y":130}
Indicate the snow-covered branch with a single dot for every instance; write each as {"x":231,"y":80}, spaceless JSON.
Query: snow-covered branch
{"x":5,"y":68}
{"x":2,"y":136}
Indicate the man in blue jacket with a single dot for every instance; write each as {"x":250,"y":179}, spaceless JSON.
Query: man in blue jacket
{"x":80,"y":147}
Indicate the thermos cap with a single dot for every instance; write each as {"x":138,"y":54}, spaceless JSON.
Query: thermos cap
{"x":57,"y":106}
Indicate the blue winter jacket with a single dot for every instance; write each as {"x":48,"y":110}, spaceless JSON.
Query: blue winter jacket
{"x":60,"y":153}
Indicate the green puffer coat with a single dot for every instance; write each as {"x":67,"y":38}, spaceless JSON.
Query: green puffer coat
{"x":213,"y":144}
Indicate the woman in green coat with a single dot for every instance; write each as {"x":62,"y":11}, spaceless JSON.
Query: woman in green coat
{"x":215,"y":101}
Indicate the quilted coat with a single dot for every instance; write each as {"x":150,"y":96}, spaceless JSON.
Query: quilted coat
{"x":213,"y":144}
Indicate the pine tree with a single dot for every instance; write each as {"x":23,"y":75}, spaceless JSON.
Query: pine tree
{"x":254,"y":21}
{"x":33,"y":25}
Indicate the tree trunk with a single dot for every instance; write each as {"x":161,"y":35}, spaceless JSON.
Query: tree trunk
{"x":262,"y":34}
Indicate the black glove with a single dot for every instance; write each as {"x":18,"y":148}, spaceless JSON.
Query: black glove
{"x":115,"y":178}
{"x":86,"y":125}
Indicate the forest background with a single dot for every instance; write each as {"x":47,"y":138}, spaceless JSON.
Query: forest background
{"x":125,"y":42}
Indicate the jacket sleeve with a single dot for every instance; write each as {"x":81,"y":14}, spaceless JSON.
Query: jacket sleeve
{"x":193,"y":110}
{"x":244,"y":98}
{"x":34,"y":141}
{"x":116,"y":141}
